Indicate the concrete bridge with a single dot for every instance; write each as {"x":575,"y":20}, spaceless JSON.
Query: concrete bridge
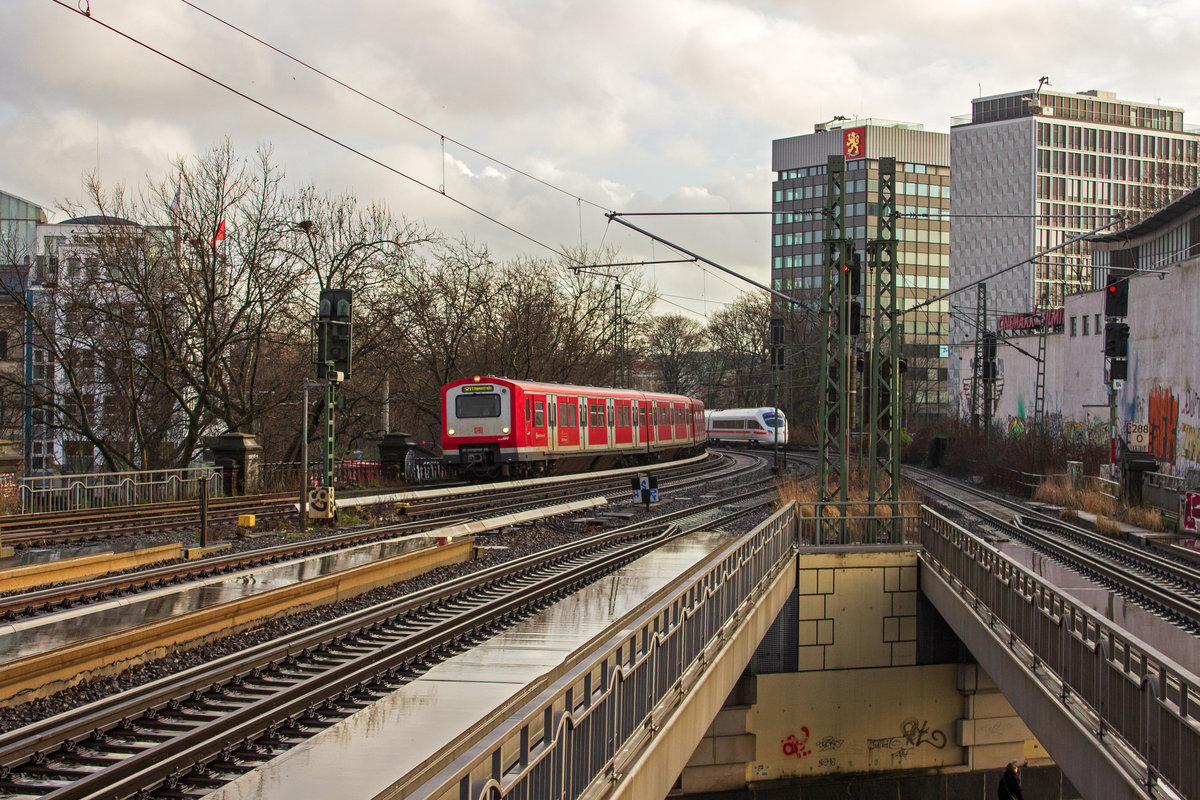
{"x":778,"y":665}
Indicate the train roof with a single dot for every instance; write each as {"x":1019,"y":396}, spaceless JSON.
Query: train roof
{"x":566,"y":388}
{"x":746,"y":411}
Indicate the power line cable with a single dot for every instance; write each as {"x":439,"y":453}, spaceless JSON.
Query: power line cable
{"x":387,"y":107}
{"x":85,"y":11}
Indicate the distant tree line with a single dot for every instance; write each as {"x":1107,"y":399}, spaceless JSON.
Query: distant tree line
{"x":153,"y":336}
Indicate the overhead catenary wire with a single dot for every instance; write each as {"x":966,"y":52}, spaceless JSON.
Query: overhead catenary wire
{"x":369,"y":98}
{"x":86,"y":13}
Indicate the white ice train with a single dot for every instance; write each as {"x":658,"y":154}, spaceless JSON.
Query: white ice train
{"x":756,"y":426}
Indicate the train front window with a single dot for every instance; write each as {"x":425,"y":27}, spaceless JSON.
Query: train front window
{"x":475,"y":406}
{"x":773,"y":420}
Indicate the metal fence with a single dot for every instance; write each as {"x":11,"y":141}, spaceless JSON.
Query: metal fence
{"x":108,"y":489}
{"x":852,"y":523}
{"x":572,"y":735}
{"x":1150,"y":703}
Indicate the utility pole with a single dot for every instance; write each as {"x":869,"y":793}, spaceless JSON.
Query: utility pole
{"x":836,"y":365}
{"x":334,"y":332}
{"x":885,"y":377}
{"x":977,"y":360}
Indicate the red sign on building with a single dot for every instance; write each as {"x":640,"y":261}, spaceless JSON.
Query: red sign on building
{"x":854,"y":143}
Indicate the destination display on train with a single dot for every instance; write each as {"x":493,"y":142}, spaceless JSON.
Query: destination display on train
{"x":478,"y":387}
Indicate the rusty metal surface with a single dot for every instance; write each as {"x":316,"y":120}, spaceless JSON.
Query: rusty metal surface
{"x":363,"y":754}
{"x":43,"y":634}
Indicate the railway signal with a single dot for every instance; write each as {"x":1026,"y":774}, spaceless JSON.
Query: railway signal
{"x":1116,"y":293}
{"x":334,"y":333}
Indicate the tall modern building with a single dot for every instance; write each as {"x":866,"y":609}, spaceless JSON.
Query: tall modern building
{"x":923,"y":232}
{"x":1034,"y":169}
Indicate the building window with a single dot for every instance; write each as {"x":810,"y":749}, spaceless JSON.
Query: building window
{"x":1072,"y":326}
{"x":1085,"y":324}
{"x":1097,"y":324}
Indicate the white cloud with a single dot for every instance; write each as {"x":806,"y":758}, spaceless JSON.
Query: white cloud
{"x":663,"y":106}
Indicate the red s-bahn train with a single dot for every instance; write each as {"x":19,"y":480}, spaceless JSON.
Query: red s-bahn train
{"x":510,"y":428}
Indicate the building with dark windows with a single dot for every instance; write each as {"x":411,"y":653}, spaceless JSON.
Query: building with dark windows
{"x":19,"y":221}
{"x":923,"y":232}
{"x":1034,"y":169}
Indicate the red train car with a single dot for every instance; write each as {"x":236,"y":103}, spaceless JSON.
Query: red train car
{"x":502,"y":427}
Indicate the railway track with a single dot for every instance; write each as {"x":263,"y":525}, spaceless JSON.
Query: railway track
{"x":1167,"y":586}
{"x":184,"y":735}
{"x":430,"y":515}
{"x":93,"y":525}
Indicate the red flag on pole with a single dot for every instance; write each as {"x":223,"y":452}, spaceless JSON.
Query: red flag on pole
{"x":220,"y":234}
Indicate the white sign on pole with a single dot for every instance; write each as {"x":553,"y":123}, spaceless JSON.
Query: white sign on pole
{"x":1138,"y":435}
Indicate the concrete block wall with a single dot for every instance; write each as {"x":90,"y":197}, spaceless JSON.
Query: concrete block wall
{"x":859,"y":704}
{"x":857,"y":609}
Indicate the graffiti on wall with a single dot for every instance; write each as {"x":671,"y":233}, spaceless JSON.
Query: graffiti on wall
{"x":796,"y":748}
{"x":1092,"y":431}
{"x":1163,"y":416}
{"x":914,"y":733}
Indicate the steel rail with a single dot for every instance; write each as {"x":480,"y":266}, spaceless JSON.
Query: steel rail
{"x":1175,"y":607}
{"x":103,"y":716}
{"x":28,"y":604}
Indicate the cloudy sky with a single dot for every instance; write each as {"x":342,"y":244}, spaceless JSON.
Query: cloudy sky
{"x":627,"y":105}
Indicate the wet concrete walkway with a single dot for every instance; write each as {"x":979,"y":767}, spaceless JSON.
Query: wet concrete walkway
{"x":365,"y":753}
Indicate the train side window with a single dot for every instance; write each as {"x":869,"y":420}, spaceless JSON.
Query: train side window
{"x":553,"y":414}
{"x":611,"y":420}
{"x":539,"y":413}
{"x":528,"y":408}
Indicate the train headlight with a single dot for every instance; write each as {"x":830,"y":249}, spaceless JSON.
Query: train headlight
{"x":450,"y":431}
{"x":504,"y":430}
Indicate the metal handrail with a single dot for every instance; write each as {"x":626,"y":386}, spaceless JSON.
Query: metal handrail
{"x":572,"y":734}
{"x":1138,"y":695}
{"x":109,"y":489}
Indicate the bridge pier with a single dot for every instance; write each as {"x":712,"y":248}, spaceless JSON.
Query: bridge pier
{"x":879,"y":695}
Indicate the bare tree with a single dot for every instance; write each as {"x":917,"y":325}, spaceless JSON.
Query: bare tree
{"x":738,"y":336}
{"x":672,"y":344}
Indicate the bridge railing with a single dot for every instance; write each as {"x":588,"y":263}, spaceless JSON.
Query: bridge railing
{"x":837,"y":522}
{"x":1136,"y":694}
{"x":571,"y":733}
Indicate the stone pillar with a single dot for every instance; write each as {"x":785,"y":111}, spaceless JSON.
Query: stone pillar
{"x":239,"y":457}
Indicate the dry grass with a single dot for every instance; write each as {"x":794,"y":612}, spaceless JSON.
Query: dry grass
{"x":806,"y":496}
{"x":1107,"y":527}
{"x":1148,"y":518}
{"x":1097,"y":503}
{"x":1057,"y":491}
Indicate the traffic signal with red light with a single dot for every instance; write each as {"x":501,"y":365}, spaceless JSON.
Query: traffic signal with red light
{"x":1116,"y":294}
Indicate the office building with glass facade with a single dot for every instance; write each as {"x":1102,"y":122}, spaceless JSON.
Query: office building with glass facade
{"x":923,"y":233}
{"x":1035,"y":169}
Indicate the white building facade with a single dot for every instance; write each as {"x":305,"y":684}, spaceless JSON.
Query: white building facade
{"x":1034,"y":169}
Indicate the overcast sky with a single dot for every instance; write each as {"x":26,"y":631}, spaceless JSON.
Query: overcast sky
{"x":631,"y":105}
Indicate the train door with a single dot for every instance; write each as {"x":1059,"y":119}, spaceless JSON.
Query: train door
{"x":539,"y":422}
{"x":597,"y":423}
{"x":551,"y":422}
{"x":526,"y":431}
{"x":612,"y":422}
{"x":568,"y":423}
{"x":623,"y":432}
